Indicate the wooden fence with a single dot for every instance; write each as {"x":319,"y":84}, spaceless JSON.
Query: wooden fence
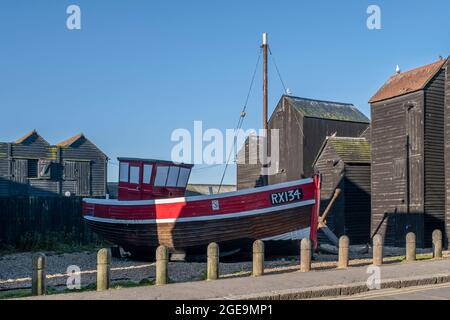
{"x":28,"y":223}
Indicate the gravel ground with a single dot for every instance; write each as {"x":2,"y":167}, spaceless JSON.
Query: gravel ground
{"x":15,"y":269}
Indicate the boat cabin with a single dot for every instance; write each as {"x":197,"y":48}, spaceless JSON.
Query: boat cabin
{"x":147,"y":179}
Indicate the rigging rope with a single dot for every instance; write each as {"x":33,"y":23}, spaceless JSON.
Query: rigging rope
{"x":278,"y":71}
{"x":241,"y":120}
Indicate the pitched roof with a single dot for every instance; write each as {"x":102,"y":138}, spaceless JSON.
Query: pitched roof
{"x":29,"y":136}
{"x":350,"y":150}
{"x":407,"y":82}
{"x":70,"y":141}
{"x":327,"y":109}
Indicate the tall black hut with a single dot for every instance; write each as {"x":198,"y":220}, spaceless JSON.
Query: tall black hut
{"x":344,"y":163}
{"x":303,"y":125}
{"x":407,"y":137}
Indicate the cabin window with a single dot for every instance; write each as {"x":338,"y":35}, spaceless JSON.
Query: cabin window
{"x":183,"y":177}
{"x":134,"y":175}
{"x":161,"y":176}
{"x":147,"y":173}
{"x":173,"y":176}
{"x":33,"y":168}
{"x":123,"y":172}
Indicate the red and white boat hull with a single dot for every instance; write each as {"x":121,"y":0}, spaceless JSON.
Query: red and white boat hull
{"x":277,"y":212}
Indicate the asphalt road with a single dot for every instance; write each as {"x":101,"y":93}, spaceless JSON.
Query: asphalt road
{"x":431,"y":292}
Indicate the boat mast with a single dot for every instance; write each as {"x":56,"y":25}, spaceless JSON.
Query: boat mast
{"x":265,"y":46}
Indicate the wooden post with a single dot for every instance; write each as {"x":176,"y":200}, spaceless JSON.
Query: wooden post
{"x":378,"y":250}
{"x":162,"y":260}
{"x":437,"y":244}
{"x":410,"y":247}
{"x":258,"y":258}
{"x":343,"y":252}
{"x":305,"y":255}
{"x":103,"y":269}
{"x":38,"y":284}
{"x":213,"y":261}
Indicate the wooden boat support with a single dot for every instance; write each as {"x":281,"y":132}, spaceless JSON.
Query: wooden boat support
{"x":282,"y":211}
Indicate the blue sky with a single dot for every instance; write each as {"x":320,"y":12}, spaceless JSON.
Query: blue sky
{"x":139,"y":69}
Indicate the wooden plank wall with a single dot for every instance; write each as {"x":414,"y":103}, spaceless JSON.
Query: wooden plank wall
{"x":248,"y":167}
{"x":357,"y":203}
{"x":316,"y":130}
{"x":42,"y":222}
{"x":447,"y":148}
{"x":389,"y":167}
{"x":332,"y":173}
{"x":86,"y":150}
{"x":4,"y":169}
{"x":301,"y":139}
{"x":434,"y":181}
{"x":39,"y":149}
{"x":289,"y":122}
{"x":351,"y":213}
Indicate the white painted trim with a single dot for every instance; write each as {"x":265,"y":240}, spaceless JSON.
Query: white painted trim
{"x":115,"y":202}
{"x":204,"y":218}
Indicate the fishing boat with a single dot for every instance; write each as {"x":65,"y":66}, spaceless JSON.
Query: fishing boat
{"x":150,"y":212}
{"x":151,"y":208}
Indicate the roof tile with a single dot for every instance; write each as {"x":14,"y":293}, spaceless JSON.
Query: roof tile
{"x":327,"y":110}
{"x":407,"y":82}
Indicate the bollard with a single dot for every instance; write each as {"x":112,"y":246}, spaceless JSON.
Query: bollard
{"x":378,"y":250}
{"x":258,"y":258}
{"x":410,"y":247}
{"x":38,"y":284}
{"x":162,"y":260}
{"x":343,"y":252}
{"x":103,"y":269}
{"x":213,"y":261}
{"x":305,"y":255}
{"x":437,"y":244}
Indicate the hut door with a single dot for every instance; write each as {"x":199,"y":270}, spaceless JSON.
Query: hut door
{"x":19,"y":176}
{"x":83,"y":170}
{"x":414,"y":159}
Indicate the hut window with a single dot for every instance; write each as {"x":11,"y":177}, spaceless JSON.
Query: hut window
{"x":161,"y":176}
{"x":33,"y":168}
{"x":45,"y":169}
{"x":173,"y":176}
{"x":147,"y":173}
{"x":183,"y":177}
{"x":123,"y":172}
{"x":134,"y":174}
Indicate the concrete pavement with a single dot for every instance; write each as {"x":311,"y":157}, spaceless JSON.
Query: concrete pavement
{"x":292,"y":285}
